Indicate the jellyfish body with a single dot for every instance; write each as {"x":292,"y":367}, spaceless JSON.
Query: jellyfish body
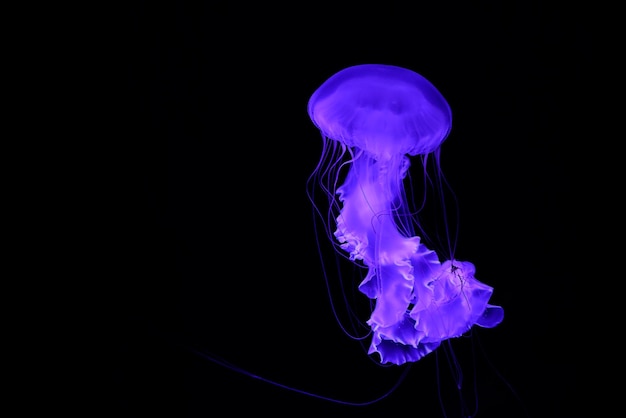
{"x":381,"y":115}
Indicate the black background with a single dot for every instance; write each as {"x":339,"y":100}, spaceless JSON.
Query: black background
{"x":216,"y":240}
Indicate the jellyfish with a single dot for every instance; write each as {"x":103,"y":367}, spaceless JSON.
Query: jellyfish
{"x":374,"y":118}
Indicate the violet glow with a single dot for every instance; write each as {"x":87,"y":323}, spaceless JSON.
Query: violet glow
{"x":372,"y":117}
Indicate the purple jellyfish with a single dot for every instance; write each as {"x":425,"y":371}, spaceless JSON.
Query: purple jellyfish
{"x":372,"y":117}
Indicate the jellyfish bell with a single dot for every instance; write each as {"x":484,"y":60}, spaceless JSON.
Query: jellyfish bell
{"x":379,"y":115}
{"x":382,"y":109}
